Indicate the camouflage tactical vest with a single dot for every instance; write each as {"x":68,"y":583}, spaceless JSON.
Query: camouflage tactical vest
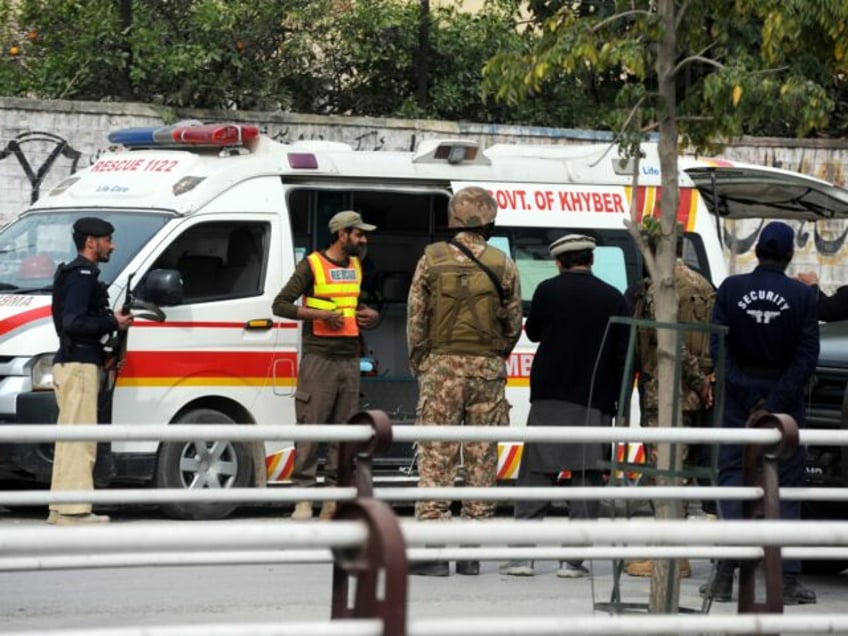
{"x":467,"y":314}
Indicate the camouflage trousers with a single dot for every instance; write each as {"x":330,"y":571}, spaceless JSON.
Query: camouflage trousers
{"x":452,"y":401}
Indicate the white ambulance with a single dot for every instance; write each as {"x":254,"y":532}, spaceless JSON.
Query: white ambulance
{"x":233,"y":211}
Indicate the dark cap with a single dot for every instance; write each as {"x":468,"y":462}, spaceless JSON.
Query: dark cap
{"x":778,"y":238}
{"x":92,"y":226}
{"x":571,"y":243}
{"x":349,"y":218}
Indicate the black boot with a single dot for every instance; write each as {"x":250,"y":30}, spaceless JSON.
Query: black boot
{"x":720,"y":587}
{"x":430,"y":568}
{"x":468,"y":568}
{"x":796,"y":594}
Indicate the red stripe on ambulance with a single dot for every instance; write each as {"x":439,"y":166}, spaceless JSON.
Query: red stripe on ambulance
{"x":206,"y":364}
{"x":204,"y":325}
{"x":18,"y":320}
{"x":648,"y":204}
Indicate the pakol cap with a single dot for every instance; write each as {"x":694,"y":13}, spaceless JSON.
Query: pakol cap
{"x":777,"y":237}
{"x":92,"y":226}
{"x":349,"y":218}
{"x":571,"y":243}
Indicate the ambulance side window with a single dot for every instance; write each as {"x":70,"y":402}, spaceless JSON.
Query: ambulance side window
{"x":695,"y":255}
{"x":616,"y":257}
{"x":219,"y":260}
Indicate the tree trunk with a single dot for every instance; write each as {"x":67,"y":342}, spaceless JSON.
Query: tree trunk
{"x":665,"y":581}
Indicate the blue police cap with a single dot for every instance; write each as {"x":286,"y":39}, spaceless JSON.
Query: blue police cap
{"x":92,"y":226}
{"x":778,"y":238}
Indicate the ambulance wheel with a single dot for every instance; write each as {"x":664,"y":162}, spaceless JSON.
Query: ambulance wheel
{"x":203,"y":464}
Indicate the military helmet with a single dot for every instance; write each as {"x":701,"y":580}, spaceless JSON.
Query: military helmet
{"x":471,"y":207}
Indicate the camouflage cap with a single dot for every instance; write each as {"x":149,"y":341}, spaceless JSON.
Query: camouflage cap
{"x":471,"y":207}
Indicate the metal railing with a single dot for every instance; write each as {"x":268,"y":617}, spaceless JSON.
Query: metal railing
{"x":365,"y":542}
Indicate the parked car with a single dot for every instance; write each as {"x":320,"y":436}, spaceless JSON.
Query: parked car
{"x":827,"y":408}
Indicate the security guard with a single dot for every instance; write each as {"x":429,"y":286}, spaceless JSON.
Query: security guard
{"x":82,"y":319}
{"x":463,"y":319}
{"x":772,"y":347}
{"x":330,"y":283}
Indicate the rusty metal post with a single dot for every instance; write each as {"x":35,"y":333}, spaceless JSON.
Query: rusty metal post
{"x":355,"y":457}
{"x":379,"y":569}
{"x":760,"y":468}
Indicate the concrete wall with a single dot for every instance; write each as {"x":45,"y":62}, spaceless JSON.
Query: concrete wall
{"x":41,"y":142}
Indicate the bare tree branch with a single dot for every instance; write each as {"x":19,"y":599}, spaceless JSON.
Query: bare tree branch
{"x":765,"y":71}
{"x":680,"y":13}
{"x":621,"y":130}
{"x":619,"y":16}
{"x":696,"y":58}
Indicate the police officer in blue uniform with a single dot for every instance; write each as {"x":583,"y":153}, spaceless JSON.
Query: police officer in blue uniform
{"x":772,"y":347}
{"x":82,"y":319}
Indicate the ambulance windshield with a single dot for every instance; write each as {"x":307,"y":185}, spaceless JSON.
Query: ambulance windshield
{"x":33,"y":246}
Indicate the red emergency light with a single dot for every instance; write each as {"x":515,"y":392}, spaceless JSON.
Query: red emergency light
{"x":215,"y":134}
{"x":185,"y":133}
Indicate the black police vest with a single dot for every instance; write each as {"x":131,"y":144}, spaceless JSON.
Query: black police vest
{"x":77,"y":347}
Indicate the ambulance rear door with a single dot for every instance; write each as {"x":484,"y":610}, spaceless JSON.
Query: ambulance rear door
{"x":742,"y":198}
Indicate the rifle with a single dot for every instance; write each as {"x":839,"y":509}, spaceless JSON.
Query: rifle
{"x":116,"y":351}
{"x":116,"y":348}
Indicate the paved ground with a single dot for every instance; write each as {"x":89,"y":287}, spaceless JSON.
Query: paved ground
{"x":208,"y":594}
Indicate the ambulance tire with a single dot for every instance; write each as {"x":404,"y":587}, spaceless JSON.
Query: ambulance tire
{"x":180,"y":465}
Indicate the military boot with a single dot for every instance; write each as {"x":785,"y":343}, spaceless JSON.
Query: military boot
{"x":302,"y":511}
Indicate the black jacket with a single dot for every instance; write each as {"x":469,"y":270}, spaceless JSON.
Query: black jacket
{"x":81,"y":312}
{"x":568,"y":318}
{"x":835,"y":307}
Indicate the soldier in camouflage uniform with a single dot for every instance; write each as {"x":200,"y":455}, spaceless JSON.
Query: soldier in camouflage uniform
{"x":696,"y":296}
{"x":464,"y":318}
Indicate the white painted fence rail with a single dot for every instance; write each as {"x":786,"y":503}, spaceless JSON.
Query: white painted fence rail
{"x":190,"y":543}
{"x":527,"y":626}
{"x":401,"y":494}
{"x":359,"y":432}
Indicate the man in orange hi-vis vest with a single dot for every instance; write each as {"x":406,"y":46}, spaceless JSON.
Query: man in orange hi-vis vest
{"x":329,"y":282}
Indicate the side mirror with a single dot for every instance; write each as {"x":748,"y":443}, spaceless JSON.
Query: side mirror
{"x":162,"y":287}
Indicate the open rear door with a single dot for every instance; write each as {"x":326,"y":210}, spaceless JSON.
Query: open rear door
{"x":738,"y":190}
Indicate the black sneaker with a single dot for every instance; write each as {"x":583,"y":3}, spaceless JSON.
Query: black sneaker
{"x":796,"y":594}
{"x":430,"y":568}
{"x":468,"y":568}
{"x":719,"y":588}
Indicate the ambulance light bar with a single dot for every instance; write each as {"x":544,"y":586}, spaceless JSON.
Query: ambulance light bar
{"x":185,"y":134}
{"x":456,"y":154}
{"x":452,"y":151}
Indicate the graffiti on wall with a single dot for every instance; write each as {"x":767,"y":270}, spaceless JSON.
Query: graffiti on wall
{"x":746,"y":238}
{"x":822,"y":245}
{"x":38,"y":142}
{"x":369,"y":140}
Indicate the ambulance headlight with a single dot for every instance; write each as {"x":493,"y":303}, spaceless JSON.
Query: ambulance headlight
{"x":41,"y":372}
